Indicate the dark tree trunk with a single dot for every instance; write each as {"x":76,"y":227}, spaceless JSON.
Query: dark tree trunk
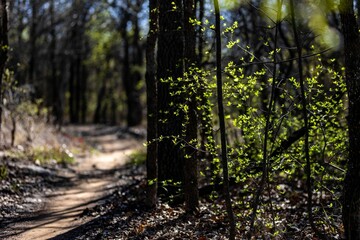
{"x":224,"y":153}
{"x":22,"y":77}
{"x":191,"y":193}
{"x":100,"y":99}
{"x":151,"y":98}
{"x":200,"y":35}
{"x":358,"y":8}
{"x":54,"y":81}
{"x":73,"y":69}
{"x":72,"y":93}
{"x":78,"y":87}
{"x":3,"y":49}
{"x":78,"y":74}
{"x":170,"y":70}
{"x":33,"y":39}
{"x":83,"y":91}
{"x":204,"y":112}
{"x":132,"y":63}
{"x":113,"y":105}
{"x":134,"y":104}
{"x":351,"y":197}
{"x":126,"y":78}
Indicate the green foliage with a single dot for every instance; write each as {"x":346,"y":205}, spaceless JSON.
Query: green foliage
{"x":193,"y":86}
{"x":44,"y":155}
{"x":17,"y":99}
{"x":3,"y":172}
{"x":103,"y":39}
{"x":312,"y":14}
{"x":248,"y":75}
{"x":138,"y":157}
{"x":246,"y":95}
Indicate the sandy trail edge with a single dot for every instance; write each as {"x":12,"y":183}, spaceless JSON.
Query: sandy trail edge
{"x":65,"y":205}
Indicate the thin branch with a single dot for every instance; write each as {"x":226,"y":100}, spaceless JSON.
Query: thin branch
{"x":306,"y":123}
{"x":229,"y":209}
{"x":284,"y":61}
{"x":265,"y":165}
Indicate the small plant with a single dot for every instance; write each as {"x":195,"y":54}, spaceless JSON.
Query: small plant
{"x":62,"y":155}
{"x":3,"y":172}
{"x":138,"y":157}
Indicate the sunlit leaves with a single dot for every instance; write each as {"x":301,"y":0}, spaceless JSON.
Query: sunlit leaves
{"x":270,"y":10}
{"x":232,"y":4}
{"x":316,"y":17}
{"x":314,"y":14}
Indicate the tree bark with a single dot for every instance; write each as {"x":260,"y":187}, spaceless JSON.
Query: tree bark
{"x":191,"y":193}
{"x":200,"y":35}
{"x":3,"y":50}
{"x":169,"y":71}
{"x":224,"y":160}
{"x":151,"y":98}
{"x":33,"y":40}
{"x":351,"y":194}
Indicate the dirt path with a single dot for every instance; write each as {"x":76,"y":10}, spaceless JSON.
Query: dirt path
{"x":92,"y":179}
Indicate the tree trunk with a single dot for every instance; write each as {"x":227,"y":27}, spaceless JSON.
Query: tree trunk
{"x":83,"y":93}
{"x":53,"y":81}
{"x":351,"y":195}
{"x":3,"y":49}
{"x":33,"y":39}
{"x":99,"y":103}
{"x":72,"y":93}
{"x":134,"y":104}
{"x":169,"y":71}
{"x":78,"y":75}
{"x":224,"y":160}
{"x":151,"y":98}
{"x":191,"y":193}
{"x":126,"y":75}
{"x":78,"y":83}
{"x":200,"y":35}
{"x":131,"y":65}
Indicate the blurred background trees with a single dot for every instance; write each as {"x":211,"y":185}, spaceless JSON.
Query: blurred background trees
{"x":84,"y":59}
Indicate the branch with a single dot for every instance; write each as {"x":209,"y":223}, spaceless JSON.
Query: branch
{"x":285,"y":144}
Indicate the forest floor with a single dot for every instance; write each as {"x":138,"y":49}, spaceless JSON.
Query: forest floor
{"x":45,"y":201}
{"x":101,"y":196}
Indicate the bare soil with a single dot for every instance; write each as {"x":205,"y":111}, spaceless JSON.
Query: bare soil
{"x":86,"y":185}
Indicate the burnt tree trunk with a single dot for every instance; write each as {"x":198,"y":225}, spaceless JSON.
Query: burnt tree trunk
{"x":151,"y":98}
{"x":351,"y":195}
{"x":191,"y":193}
{"x":169,"y":71}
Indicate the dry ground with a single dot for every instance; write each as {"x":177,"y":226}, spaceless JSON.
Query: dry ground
{"x":84,"y":185}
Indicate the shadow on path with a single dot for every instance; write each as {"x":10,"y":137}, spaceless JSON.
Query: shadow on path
{"x":95,"y":179}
